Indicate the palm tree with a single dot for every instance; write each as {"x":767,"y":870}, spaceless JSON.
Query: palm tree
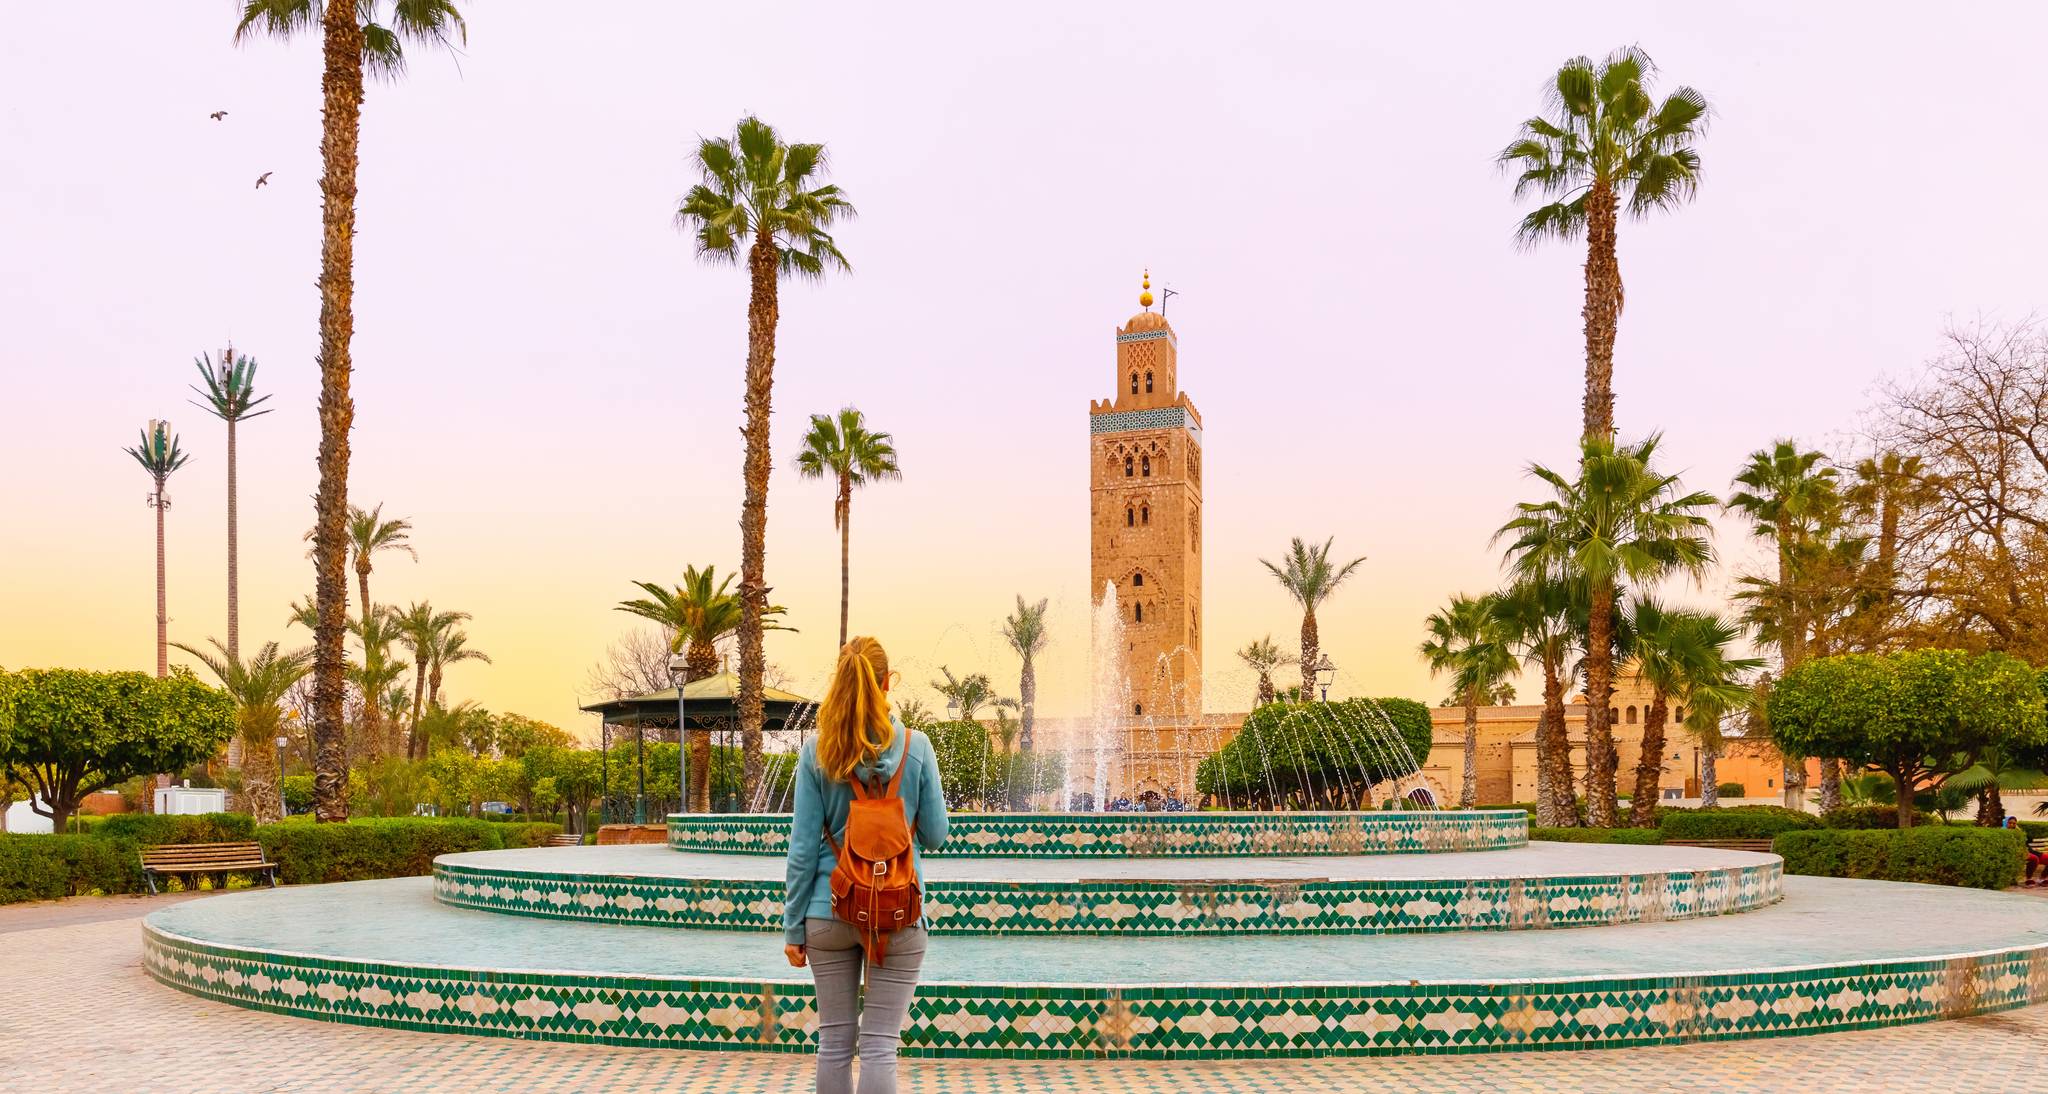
{"x":258,"y":687}
{"x":1025,"y":632}
{"x":452,"y":649}
{"x":1682,"y":656}
{"x":422,"y":630}
{"x":377,"y":672}
{"x":369,"y":533}
{"x":1468,"y":641}
{"x":969,"y":693}
{"x":760,"y":194}
{"x":159,"y":454}
{"x":1307,"y":575}
{"x":306,"y":613}
{"x":230,"y":394}
{"x":1997,"y":769}
{"x":696,"y":615}
{"x":1262,"y":656}
{"x":852,"y":455}
{"x":1620,"y":521}
{"x":352,"y":41}
{"x":1544,"y":621}
{"x":1791,"y":498}
{"x":1601,"y":145}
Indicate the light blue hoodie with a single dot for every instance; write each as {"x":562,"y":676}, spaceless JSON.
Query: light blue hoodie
{"x":811,"y":859}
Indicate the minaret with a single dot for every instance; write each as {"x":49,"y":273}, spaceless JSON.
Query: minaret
{"x":1145,"y":455}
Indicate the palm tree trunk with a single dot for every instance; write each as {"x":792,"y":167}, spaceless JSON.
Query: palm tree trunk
{"x":1600,"y":758}
{"x":163,"y":619}
{"x":1602,"y":311}
{"x":1027,"y":701}
{"x":1650,"y":764}
{"x":415,"y":747}
{"x":1710,"y":779}
{"x":762,"y":315}
{"x":845,"y":515}
{"x":1564,"y":811}
{"x":260,"y":772}
{"x":1468,"y":795}
{"x":341,"y":88}
{"x":1311,"y":642}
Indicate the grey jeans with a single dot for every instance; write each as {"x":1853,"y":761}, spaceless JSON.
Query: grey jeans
{"x":837,"y":963}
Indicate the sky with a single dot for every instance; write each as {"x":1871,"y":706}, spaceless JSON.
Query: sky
{"x":548,"y":383}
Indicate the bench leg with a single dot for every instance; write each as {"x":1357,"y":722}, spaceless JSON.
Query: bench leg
{"x":149,"y":877}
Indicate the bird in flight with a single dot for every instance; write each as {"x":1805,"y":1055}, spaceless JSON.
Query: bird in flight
{"x":218,"y":115}
{"x":262,"y":179}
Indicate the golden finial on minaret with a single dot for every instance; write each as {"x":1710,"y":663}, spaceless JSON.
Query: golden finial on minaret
{"x":1145,"y":298}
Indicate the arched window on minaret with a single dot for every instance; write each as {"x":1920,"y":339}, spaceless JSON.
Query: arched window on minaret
{"x":1144,"y":514}
{"x":1138,"y":709}
{"x":1127,"y":467}
{"x":1148,"y":383}
{"x":1130,"y":517}
{"x":1134,"y":383}
{"x":1138,"y":612}
{"x":1137,"y":581}
{"x":1145,"y":463}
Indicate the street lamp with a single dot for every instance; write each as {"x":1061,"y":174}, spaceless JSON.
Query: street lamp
{"x":679,"y":672}
{"x":952,"y":709}
{"x":1326,"y":674}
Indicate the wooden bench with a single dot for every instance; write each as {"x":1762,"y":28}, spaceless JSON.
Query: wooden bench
{"x":192,"y":859}
{"x":1763,"y":845}
{"x":566,"y":839}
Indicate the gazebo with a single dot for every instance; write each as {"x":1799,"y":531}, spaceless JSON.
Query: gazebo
{"x":708,"y":705}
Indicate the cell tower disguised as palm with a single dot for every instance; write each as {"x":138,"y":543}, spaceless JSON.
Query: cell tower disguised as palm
{"x":159,"y":454}
{"x":230,"y":394}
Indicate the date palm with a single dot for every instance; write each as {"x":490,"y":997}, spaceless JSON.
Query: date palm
{"x":230,"y":394}
{"x":368,"y":535}
{"x":1545,"y":621}
{"x":1262,"y":656}
{"x":258,"y":687}
{"x":453,"y":648}
{"x":846,"y":451}
{"x":969,"y":693}
{"x":1468,"y":641}
{"x":1307,"y":574}
{"x":1604,"y":145}
{"x":373,"y":676}
{"x":422,"y":630}
{"x":1682,"y":655}
{"x":1620,"y":521}
{"x":759,"y":197}
{"x":159,"y":454}
{"x":1026,"y":634}
{"x":356,"y":37}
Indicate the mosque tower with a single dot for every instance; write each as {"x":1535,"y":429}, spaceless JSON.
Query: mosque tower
{"x":1145,"y":523}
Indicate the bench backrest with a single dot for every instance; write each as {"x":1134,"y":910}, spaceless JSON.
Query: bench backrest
{"x":199,"y":856}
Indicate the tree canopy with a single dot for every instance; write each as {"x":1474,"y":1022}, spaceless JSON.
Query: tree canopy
{"x":65,"y":733}
{"x":1304,"y":755}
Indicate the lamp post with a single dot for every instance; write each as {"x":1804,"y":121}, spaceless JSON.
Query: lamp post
{"x":952,"y":710}
{"x":1326,"y":674}
{"x":640,"y":774}
{"x":678,"y":671}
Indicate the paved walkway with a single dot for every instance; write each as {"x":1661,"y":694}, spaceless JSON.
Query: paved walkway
{"x":80,"y":1015}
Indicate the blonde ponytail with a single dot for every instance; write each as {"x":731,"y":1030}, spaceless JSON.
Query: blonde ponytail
{"x":853,"y":722}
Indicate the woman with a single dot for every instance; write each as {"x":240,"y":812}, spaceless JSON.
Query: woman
{"x":858,"y":737}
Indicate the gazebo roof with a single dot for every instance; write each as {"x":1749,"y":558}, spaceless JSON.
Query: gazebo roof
{"x":711,"y":697}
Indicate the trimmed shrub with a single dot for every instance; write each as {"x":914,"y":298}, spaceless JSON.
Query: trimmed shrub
{"x":1861,"y":816}
{"x":528,"y":833}
{"x":371,"y":848}
{"x":1732,"y":790}
{"x":150,"y":829}
{"x":1979,"y":858}
{"x":2034,"y":829}
{"x":1597,"y":835}
{"x":1740,"y":822}
{"x":49,"y":867}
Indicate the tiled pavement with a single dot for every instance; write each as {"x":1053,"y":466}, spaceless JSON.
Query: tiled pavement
{"x":77,"y":1014}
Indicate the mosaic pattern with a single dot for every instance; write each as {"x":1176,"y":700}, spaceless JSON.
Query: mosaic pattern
{"x":1125,"y":421}
{"x":1129,"y":907}
{"x":1105,"y":1021}
{"x":1150,"y":835}
{"x":1149,"y":335}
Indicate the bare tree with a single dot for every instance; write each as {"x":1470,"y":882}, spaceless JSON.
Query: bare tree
{"x":635,"y":664}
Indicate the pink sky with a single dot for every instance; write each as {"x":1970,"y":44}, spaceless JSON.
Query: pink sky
{"x":548,"y":385}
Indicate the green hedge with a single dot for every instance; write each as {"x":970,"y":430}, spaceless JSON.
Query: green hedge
{"x":150,"y":829}
{"x":1861,"y":816}
{"x":385,"y":846}
{"x":1980,"y":858}
{"x":1597,"y":835}
{"x":1732,"y":790}
{"x":1740,"y":822}
{"x":48,"y":867}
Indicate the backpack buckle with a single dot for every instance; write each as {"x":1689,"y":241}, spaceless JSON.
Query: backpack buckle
{"x":881,"y":868}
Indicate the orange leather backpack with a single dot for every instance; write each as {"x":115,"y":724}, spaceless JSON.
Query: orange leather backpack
{"x":874,"y":884}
